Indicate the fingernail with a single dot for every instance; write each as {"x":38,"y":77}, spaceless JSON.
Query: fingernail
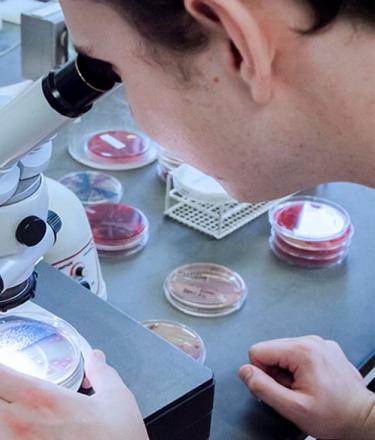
{"x":246,"y":372}
{"x":99,"y":356}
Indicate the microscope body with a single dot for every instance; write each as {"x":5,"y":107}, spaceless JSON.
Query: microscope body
{"x":27,"y":123}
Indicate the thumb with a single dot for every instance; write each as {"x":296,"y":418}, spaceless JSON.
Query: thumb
{"x":104,"y":379}
{"x":264,"y":387}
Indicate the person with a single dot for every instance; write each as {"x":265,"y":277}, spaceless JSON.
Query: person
{"x":244,"y":90}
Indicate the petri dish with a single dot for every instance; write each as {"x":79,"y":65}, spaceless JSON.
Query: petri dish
{"x":113,"y":150}
{"x":42,"y":346}
{"x":310,"y":219}
{"x":307,"y":263}
{"x":166,"y":163}
{"x":181,"y":336}
{"x":93,"y":187}
{"x":118,"y":228}
{"x":115,"y":146}
{"x":323,"y":246}
{"x":205,"y":290}
{"x":307,"y":253}
{"x":194,"y":184}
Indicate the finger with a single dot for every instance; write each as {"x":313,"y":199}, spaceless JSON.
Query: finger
{"x":279,"y":353}
{"x":283,"y":377}
{"x":288,"y":354}
{"x":15,"y":386}
{"x":86,"y":385}
{"x":265,"y":388}
{"x":103,"y":378}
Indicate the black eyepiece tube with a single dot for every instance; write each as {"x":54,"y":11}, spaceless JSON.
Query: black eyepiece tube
{"x":72,"y":89}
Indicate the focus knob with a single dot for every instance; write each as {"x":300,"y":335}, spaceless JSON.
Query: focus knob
{"x":31,"y":231}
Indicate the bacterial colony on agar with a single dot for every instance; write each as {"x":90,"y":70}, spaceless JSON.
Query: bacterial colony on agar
{"x":118,"y":229}
{"x":93,"y":187}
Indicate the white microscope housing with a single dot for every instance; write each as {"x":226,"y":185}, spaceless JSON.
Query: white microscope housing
{"x":28,"y":229}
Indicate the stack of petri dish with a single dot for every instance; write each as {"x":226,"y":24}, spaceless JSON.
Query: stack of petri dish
{"x":118,"y":229}
{"x":42,"y":346}
{"x":205,"y":289}
{"x":181,"y":336}
{"x":310,"y":232}
{"x":166,"y":163}
{"x":93,"y":188}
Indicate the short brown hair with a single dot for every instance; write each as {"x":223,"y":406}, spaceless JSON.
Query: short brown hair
{"x":167,"y":24}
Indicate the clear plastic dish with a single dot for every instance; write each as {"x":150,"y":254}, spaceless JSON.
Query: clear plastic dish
{"x":93,"y":187}
{"x":113,"y":150}
{"x":118,"y":228}
{"x":320,"y":246}
{"x":42,"y":346}
{"x":310,"y":219}
{"x":307,"y":263}
{"x":205,"y":289}
{"x":180,"y":336}
{"x":166,"y":163}
{"x":116,"y":146}
{"x":308,"y":253}
{"x":194,"y":184}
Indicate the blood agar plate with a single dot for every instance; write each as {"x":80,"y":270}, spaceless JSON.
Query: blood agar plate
{"x":114,"y":150}
{"x":310,"y":232}
{"x":205,"y":289}
{"x":42,"y":346}
{"x":180,"y":336}
{"x":93,"y":187}
{"x":118,"y":228}
{"x":116,"y":146}
{"x":310,"y":219}
{"x":304,"y":262}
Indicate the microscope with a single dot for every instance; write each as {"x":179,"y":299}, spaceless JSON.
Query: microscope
{"x":27,"y":125}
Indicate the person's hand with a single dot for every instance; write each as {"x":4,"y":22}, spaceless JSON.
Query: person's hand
{"x":310,"y":381}
{"x":32,"y":409}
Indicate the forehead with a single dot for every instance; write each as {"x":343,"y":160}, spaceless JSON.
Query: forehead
{"x":96,"y":28}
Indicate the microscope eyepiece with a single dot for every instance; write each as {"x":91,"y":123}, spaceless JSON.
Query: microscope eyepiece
{"x":72,"y":89}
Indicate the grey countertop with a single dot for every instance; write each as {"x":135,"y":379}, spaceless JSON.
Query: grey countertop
{"x":284,"y":301}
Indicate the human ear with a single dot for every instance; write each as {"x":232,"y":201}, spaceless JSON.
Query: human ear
{"x":249,"y":50}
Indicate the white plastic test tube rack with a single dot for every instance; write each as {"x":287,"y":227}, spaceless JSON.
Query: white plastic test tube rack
{"x":216,"y":220}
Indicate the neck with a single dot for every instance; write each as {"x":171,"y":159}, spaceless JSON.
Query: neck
{"x":355,"y":137}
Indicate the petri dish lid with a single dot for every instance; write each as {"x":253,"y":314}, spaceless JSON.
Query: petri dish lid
{"x":180,"y":336}
{"x":116,"y":145}
{"x":310,"y":219}
{"x":205,"y":289}
{"x":42,"y":346}
{"x":93,"y":187}
{"x":116,"y":226}
{"x":196,"y":185}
